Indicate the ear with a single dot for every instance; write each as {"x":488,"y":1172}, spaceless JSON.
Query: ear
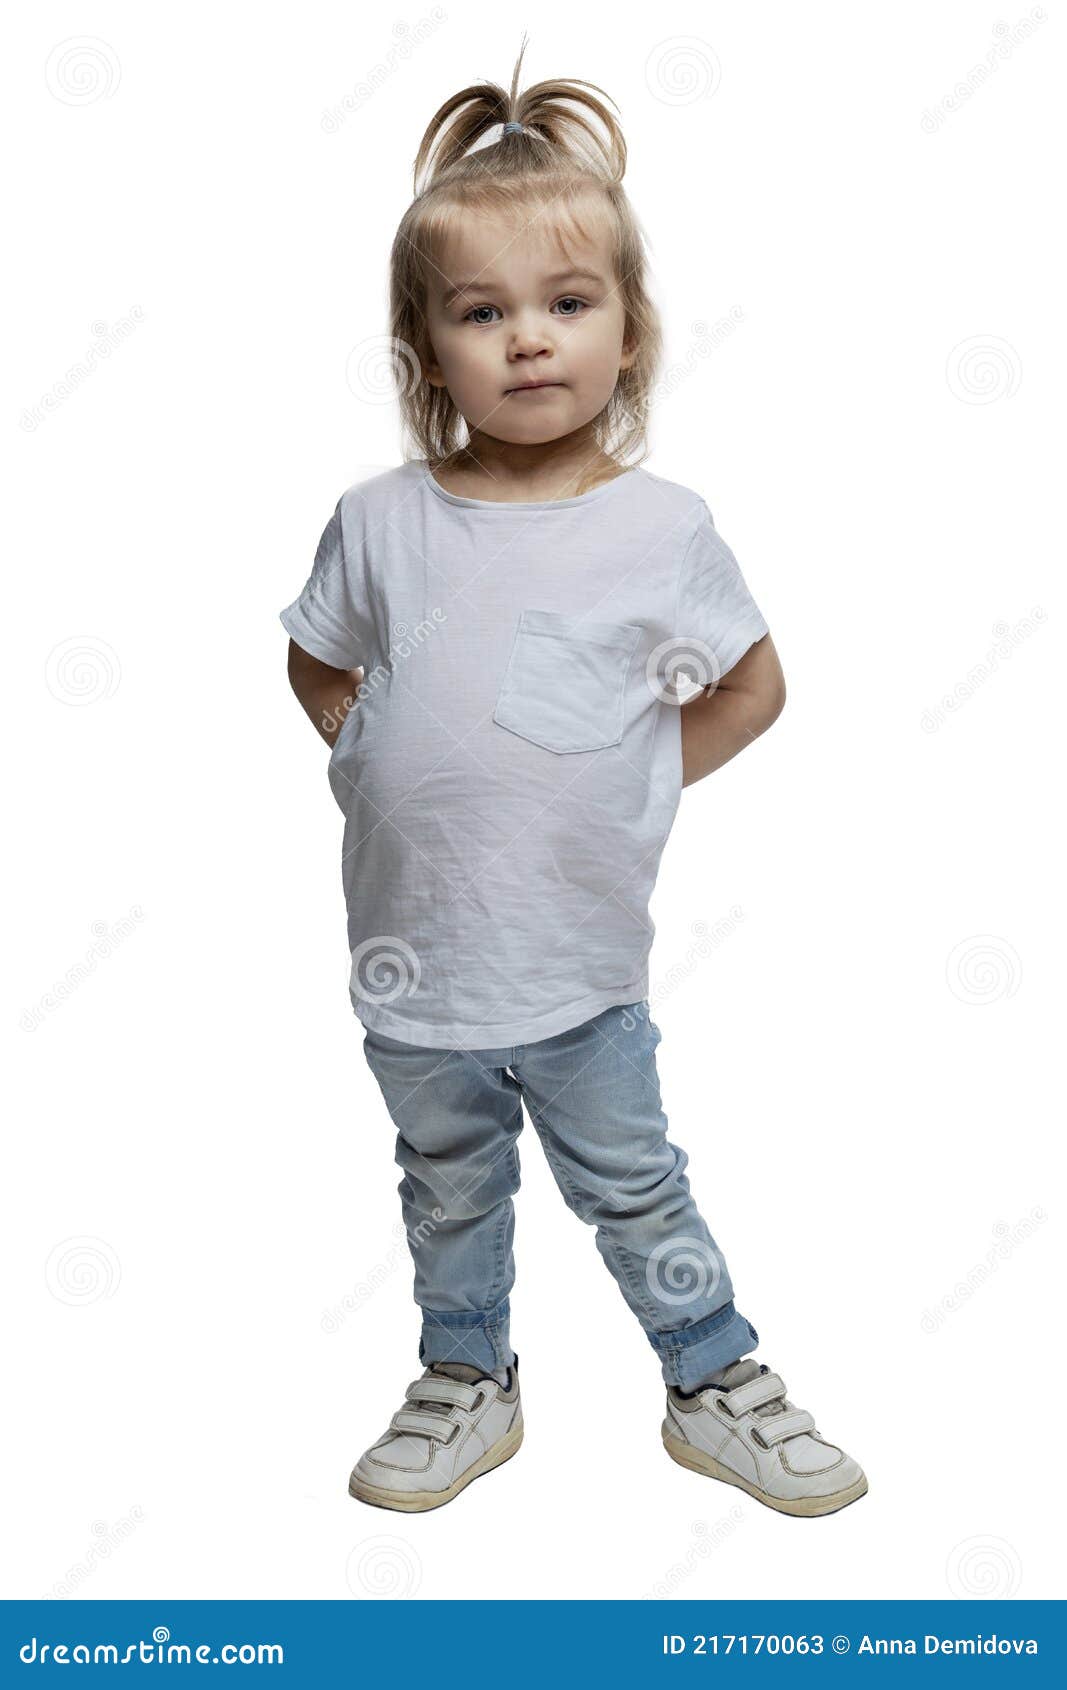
{"x":628,"y":354}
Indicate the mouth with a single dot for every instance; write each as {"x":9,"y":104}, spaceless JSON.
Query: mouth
{"x":532,"y":387}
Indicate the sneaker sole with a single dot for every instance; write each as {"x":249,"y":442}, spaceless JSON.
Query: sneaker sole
{"x":698,"y":1462}
{"x":418,"y":1501}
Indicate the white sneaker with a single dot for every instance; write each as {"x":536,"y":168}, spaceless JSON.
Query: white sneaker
{"x":744,"y":1430}
{"x":456,"y":1423}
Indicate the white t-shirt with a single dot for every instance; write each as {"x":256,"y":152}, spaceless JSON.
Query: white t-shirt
{"x":512,"y":768}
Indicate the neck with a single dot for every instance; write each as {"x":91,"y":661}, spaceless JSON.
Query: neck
{"x":551,"y":469}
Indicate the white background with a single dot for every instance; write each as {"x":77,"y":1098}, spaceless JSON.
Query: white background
{"x":863,"y":1072}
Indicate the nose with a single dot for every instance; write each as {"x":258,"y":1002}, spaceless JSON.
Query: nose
{"x":529,"y":336}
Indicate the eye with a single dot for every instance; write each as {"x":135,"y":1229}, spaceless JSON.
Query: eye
{"x":569,"y":299}
{"x":470,"y":313}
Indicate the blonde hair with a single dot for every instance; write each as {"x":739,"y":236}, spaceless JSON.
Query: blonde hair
{"x":555,"y":162}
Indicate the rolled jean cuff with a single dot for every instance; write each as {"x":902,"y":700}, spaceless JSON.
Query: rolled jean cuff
{"x":480,"y":1338}
{"x":690,"y":1353}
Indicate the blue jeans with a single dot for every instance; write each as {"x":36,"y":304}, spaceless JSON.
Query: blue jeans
{"x":593,"y":1096}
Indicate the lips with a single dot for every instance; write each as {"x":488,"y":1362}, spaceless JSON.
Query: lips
{"x":532,"y":386}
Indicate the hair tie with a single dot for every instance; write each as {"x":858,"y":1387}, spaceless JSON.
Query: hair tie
{"x":513,"y":128}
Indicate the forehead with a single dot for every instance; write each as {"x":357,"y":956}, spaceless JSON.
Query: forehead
{"x":522,"y":246}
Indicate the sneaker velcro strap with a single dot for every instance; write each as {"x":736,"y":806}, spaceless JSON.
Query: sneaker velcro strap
{"x":772,"y":1428}
{"x":755,"y":1393}
{"x":442,"y":1389}
{"x":422,"y":1421}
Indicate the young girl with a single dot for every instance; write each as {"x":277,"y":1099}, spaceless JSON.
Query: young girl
{"x":498,"y":625}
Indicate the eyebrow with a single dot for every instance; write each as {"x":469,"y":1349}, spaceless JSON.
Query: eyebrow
{"x":480,"y":285}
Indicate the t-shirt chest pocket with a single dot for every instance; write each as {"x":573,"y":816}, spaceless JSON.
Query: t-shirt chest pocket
{"x":564,"y":684}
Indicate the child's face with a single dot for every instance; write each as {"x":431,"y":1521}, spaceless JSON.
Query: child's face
{"x":525,"y":316}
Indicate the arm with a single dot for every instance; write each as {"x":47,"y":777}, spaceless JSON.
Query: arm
{"x":326,"y":694}
{"x":718,"y":724}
